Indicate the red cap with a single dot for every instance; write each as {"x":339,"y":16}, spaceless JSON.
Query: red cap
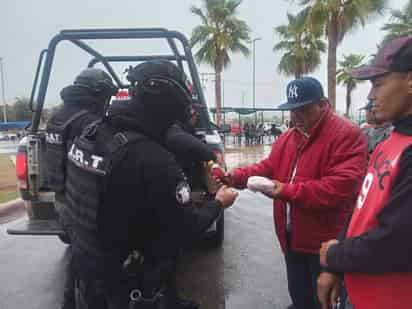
{"x":385,"y":59}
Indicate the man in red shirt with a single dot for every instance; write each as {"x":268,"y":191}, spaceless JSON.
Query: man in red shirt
{"x":375,"y":250}
{"x":317,"y":167}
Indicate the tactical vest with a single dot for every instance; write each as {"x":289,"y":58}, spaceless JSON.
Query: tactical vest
{"x":90,"y":163}
{"x":56,"y":152}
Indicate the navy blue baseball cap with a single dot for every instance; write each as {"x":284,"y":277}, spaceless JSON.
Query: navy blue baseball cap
{"x":301,"y":92}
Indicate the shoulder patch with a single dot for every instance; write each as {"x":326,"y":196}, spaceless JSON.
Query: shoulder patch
{"x":183,"y":193}
{"x":54,"y":138}
{"x":86,"y":160}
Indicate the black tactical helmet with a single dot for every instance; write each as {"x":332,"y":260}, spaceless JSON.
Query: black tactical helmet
{"x":98,"y":81}
{"x":161,"y":83}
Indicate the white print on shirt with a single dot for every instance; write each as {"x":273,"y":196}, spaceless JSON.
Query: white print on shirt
{"x":367,"y":184}
{"x":395,"y":161}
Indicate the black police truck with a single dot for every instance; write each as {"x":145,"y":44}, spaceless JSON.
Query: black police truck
{"x":30,"y":159}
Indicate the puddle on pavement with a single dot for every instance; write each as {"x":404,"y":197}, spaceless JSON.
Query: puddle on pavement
{"x":245,"y":155}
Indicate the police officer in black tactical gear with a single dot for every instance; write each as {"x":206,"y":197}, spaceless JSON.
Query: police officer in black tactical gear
{"x":130,"y":199}
{"x":190,"y":151}
{"x":83,"y":102}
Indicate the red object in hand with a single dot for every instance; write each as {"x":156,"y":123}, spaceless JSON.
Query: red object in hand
{"x":217,"y":171}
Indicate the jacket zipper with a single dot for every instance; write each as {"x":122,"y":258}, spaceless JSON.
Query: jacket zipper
{"x":288,"y":207}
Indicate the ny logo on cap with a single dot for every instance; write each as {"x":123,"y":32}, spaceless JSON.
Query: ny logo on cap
{"x":293,"y":92}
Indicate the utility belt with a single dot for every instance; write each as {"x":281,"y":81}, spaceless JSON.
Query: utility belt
{"x":151,"y":281}
{"x":145,"y":285}
{"x":138,"y":301}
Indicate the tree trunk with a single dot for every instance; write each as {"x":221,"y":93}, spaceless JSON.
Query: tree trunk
{"x":348,"y":97}
{"x":298,"y":73}
{"x":218,"y":92}
{"x":332,"y":47}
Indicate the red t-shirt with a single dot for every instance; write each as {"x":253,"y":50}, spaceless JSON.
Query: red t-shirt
{"x":388,"y":290}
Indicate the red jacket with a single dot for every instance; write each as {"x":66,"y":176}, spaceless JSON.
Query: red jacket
{"x":331,"y":163}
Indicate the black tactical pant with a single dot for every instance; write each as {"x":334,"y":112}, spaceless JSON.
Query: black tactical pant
{"x":95,"y":296}
{"x":68,"y":301}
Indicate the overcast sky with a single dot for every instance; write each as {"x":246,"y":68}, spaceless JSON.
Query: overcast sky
{"x":27,"y":26}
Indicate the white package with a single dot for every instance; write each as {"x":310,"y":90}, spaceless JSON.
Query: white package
{"x":260,"y":184}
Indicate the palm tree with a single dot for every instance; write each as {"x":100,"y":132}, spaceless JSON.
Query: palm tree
{"x":401,"y":22}
{"x":302,"y":47}
{"x":337,"y":18}
{"x":343,"y":75}
{"x":220,"y":33}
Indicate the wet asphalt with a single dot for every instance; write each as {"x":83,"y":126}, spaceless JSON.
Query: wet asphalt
{"x":247,"y":272}
{"x":8,"y":147}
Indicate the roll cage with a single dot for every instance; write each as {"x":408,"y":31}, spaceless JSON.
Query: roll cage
{"x":78,"y":38}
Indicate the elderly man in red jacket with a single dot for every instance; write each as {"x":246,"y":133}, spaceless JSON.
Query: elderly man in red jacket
{"x":317,"y":168}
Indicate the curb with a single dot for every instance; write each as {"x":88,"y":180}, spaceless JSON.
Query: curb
{"x":11,"y":210}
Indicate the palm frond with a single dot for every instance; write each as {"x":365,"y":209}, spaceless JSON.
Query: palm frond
{"x":206,"y":53}
{"x":200,"y":34}
{"x":346,"y":66}
{"x":220,"y":33}
{"x":400,"y":23}
{"x":242,"y":48}
{"x":197,"y":11}
{"x":232,"y":5}
{"x":301,"y":46}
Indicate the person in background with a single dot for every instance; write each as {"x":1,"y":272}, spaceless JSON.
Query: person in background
{"x":84,"y":101}
{"x":246,"y":131}
{"x":253,"y":136}
{"x":260,"y":131}
{"x":368,"y":116}
{"x":376,"y":131}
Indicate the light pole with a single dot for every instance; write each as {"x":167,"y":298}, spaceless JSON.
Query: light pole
{"x":223,"y":101}
{"x":2,"y":90}
{"x":254,"y":77}
{"x":243,"y":98}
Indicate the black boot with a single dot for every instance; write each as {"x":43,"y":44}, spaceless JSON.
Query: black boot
{"x":69,"y":301}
